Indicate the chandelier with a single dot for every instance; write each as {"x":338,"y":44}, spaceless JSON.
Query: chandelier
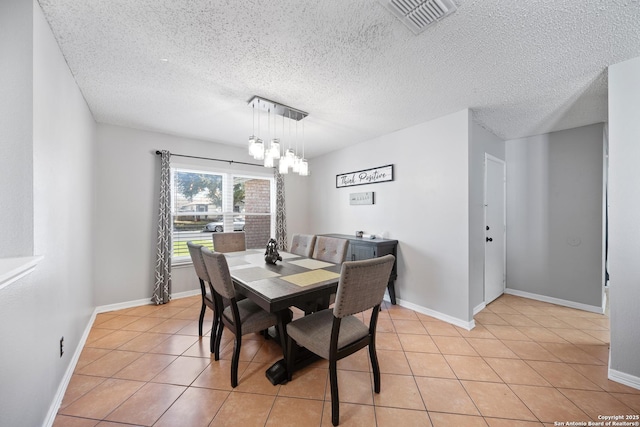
{"x":272,"y":149}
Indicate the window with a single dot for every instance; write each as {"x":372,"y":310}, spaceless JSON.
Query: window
{"x":213,"y":202}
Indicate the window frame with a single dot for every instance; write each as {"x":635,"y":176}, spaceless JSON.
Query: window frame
{"x":228,"y":177}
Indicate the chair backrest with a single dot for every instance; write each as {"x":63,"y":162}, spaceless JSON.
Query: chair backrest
{"x":303,"y":244}
{"x":229,"y":242}
{"x":198,"y":261}
{"x":218,"y":270}
{"x":330,"y":249}
{"x":362,"y":285}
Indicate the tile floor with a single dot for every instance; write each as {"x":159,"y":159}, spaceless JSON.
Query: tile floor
{"x":527,"y":363}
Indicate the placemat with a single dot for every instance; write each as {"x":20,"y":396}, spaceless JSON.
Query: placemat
{"x":311,"y":264}
{"x":253,"y":273}
{"x":235,"y":261}
{"x":287,"y":255}
{"x":256,"y":259}
{"x":310,"y":277}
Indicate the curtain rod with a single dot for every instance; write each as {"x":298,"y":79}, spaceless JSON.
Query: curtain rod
{"x":209,"y":158}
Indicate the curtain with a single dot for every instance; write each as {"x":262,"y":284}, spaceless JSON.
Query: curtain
{"x":281,"y":215}
{"x":162,"y":287}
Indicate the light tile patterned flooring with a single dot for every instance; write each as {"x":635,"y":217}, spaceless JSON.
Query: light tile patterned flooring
{"x":527,"y":363}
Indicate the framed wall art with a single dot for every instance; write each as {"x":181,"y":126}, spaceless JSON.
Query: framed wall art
{"x":367,"y":176}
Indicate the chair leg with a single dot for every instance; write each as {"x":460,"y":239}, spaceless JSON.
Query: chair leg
{"x":333,"y":380}
{"x":202,"y":310}
{"x":216,"y":349}
{"x":376,"y":367}
{"x":234,"y":361}
{"x":214,"y":333}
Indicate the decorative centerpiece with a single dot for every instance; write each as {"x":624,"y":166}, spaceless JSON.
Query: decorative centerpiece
{"x":271,"y":255}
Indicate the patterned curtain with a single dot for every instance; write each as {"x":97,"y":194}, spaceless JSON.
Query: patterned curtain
{"x":281,"y":215}
{"x":162,"y":288}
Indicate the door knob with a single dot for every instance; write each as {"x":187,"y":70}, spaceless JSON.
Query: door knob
{"x":489,"y":239}
{"x":487,"y":228}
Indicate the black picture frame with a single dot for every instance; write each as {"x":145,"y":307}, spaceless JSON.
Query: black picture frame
{"x":365,"y":176}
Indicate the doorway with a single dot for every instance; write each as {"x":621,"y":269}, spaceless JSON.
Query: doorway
{"x":495,"y":227}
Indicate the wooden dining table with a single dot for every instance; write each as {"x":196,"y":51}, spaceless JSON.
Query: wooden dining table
{"x":296,"y":281}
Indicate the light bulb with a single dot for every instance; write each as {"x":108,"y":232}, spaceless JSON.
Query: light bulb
{"x":258,"y":151}
{"x":274,"y":151}
{"x":252,"y":143}
{"x":304,"y":167}
{"x":283,"y":167}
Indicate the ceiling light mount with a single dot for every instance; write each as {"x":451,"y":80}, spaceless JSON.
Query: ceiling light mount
{"x":277,"y":108}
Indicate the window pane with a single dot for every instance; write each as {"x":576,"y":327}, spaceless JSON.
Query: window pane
{"x":197,"y":203}
{"x":206,"y":203}
{"x":252,"y":198}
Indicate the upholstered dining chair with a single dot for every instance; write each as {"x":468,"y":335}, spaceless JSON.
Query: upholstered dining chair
{"x":334,"y":334}
{"x":207,"y":297}
{"x":229,"y":242}
{"x":330,"y":249}
{"x":241,"y":317}
{"x":302,"y":244}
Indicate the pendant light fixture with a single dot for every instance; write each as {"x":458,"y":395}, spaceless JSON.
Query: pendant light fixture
{"x":273,"y":150}
{"x":295,"y":164}
{"x":253,"y":138}
{"x":304,"y":165}
{"x":258,"y":147}
{"x":268,"y":160}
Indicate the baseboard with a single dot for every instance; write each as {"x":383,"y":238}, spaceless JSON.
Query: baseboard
{"x":479,"y":308}
{"x":626,"y":379}
{"x":440,"y":316}
{"x":122,"y":305}
{"x":64,"y":383}
{"x":557,"y":301}
{"x":145,"y":301}
{"x":186,"y":294}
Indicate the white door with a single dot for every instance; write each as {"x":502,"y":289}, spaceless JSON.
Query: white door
{"x":495,"y":227}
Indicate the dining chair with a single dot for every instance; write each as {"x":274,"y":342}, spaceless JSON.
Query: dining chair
{"x":334,"y":334}
{"x":229,"y":242}
{"x":241,"y":317}
{"x":302,"y":244}
{"x":208,"y":298}
{"x":330,"y":249}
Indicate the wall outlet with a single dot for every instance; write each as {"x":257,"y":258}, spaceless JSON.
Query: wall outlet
{"x":61,"y":346}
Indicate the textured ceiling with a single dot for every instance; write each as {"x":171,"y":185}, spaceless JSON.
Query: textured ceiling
{"x":524,"y":67}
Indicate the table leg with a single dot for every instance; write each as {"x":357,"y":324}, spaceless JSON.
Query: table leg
{"x":277,"y":373}
{"x":392,"y":291}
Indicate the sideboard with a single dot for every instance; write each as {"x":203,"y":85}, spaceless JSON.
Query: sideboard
{"x":360,"y":248}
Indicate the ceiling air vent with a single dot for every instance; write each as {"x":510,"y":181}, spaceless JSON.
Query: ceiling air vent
{"x":419,"y":14}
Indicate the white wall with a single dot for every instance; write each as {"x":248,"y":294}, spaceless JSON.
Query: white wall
{"x":56,"y":299}
{"x":426,"y":207}
{"x":624,"y":220}
{"x":297,"y":201}
{"x":127,"y":187}
{"x":554,"y":215}
{"x":16,"y":134}
{"x":481,"y":141}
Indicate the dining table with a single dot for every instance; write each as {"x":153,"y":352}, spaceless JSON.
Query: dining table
{"x":295,"y":281}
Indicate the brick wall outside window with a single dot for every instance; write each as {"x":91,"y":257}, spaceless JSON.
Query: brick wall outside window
{"x":257,"y":197}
